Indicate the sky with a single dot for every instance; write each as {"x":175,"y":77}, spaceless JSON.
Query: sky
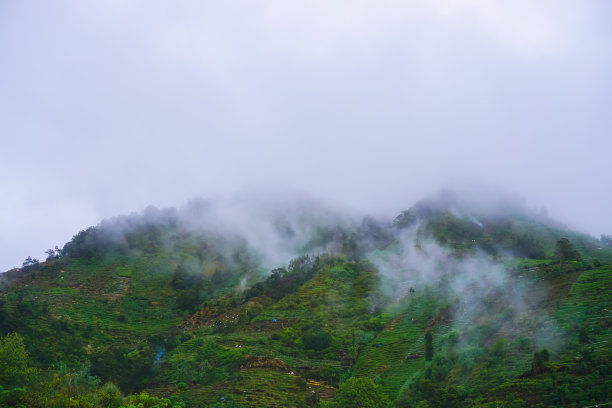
{"x":108,"y":106}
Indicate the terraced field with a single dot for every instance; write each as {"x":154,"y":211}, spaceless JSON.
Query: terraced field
{"x":588,"y":307}
{"x":396,"y":354}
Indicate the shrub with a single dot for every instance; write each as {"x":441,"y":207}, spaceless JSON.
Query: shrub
{"x":316,"y":340}
{"x":360,"y":393}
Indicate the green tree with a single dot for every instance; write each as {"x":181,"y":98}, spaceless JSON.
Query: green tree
{"x":360,"y":393}
{"x":109,"y":395}
{"x":583,"y":335}
{"x":316,"y":340}
{"x":429,"y":350}
{"x":180,"y":279}
{"x":499,"y":348}
{"x":564,"y":251}
{"x":539,"y":359}
{"x":29,"y":262}
{"x":15,"y":367}
{"x":433,"y":393}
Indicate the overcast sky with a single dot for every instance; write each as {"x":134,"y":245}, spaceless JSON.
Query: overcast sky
{"x":109,"y":106}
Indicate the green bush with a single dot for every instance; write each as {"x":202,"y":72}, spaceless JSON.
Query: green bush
{"x":316,"y":340}
{"x":109,"y":395}
{"x":15,"y":366}
{"x":360,"y":393}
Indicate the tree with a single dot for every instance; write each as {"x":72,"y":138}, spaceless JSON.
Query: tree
{"x":50,"y":254}
{"x":360,"y":393}
{"x":539,"y":359}
{"x":564,"y":251}
{"x":29,"y":262}
{"x":405,"y":219}
{"x":180,"y":279}
{"x":53,"y":253}
{"x":499,"y":348}
{"x":583,"y":335}
{"x":429,"y":350}
{"x":109,"y":395}
{"x":435,"y":395}
{"x":15,"y":368}
{"x":528,"y":246}
{"x":316,"y":340}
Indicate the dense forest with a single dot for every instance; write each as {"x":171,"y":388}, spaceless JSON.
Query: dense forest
{"x":454,"y":303}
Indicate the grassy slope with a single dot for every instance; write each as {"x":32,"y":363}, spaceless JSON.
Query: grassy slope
{"x":260,"y":359}
{"x":120,"y":313}
{"x":257,"y":361}
{"x":581,"y":367}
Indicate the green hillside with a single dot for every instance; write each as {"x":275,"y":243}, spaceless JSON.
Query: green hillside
{"x":450,"y":305}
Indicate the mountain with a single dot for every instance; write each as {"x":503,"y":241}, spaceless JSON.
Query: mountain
{"x":458,"y":301}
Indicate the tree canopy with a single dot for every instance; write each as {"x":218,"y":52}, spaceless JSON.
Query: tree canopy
{"x":564,"y":251}
{"x":15,"y":368}
{"x":360,"y":393}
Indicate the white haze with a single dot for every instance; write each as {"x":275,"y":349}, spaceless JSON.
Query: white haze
{"x":107,"y":107}
{"x":276,"y":228}
{"x":475,"y":280}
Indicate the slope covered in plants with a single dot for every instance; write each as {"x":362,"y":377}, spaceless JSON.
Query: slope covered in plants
{"x":451,"y":304}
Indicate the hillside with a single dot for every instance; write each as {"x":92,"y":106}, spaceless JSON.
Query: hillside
{"x":453,"y":303}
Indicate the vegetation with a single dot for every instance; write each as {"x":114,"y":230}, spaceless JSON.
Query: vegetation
{"x":429,"y":350}
{"x":484,"y":310}
{"x":565,"y":252}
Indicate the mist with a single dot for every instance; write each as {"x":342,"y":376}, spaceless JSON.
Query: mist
{"x":277,"y":230}
{"x":109,"y":107}
{"x":481,"y":289}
